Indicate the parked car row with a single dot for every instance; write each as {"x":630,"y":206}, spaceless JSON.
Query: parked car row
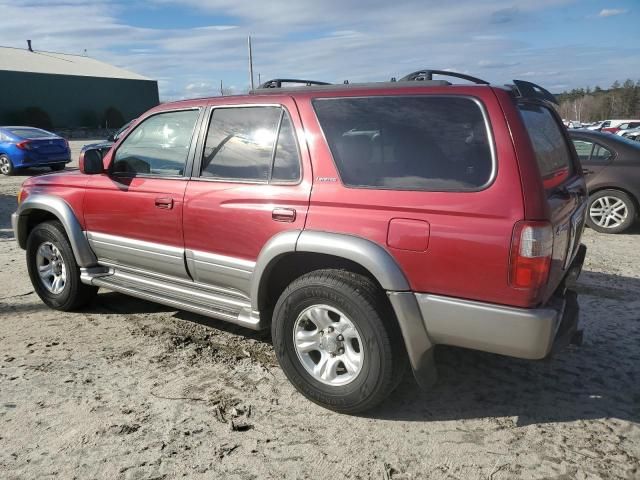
{"x":610,"y":126}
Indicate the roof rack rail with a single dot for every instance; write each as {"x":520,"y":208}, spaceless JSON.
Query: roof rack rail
{"x":427,"y":74}
{"x":277,"y":82}
{"x":531,"y":90}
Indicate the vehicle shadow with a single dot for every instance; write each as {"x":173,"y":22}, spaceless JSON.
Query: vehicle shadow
{"x":115,"y":302}
{"x":596,"y":380}
{"x":633,"y":230}
{"x":35,"y":171}
{"x":8,"y":205}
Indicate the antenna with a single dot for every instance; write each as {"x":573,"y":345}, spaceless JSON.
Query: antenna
{"x":250,"y":62}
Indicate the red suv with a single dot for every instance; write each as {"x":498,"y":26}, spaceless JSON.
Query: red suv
{"x":364,"y":223}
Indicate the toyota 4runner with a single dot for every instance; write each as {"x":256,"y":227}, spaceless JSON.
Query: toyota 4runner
{"x":364,"y":223}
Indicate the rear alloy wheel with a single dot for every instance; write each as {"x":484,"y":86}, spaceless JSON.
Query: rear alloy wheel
{"x":611,"y":211}
{"x":6,"y":166}
{"x":337,"y":340}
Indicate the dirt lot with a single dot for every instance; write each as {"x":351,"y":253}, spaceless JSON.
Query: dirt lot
{"x":129,"y":389}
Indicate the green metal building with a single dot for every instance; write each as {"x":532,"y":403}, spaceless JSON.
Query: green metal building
{"x":58,"y":90}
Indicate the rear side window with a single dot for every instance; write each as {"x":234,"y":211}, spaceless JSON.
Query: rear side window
{"x":251,"y":143}
{"x":583,"y":148}
{"x":550,"y":147}
{"x":429,"y":143}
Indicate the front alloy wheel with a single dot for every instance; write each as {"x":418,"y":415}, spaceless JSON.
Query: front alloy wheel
{"x":51,"y":268}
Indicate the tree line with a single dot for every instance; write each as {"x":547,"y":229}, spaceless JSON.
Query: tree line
{"x":622,"y":100}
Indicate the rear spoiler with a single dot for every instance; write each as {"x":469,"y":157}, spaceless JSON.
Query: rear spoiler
{"x":524,"y":89}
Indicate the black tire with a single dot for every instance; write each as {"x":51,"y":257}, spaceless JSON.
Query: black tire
{"x":57,"y":167}
{"x":367,"y":308}
{"x":75,"y":294}
{"x":6,"y":165}
{"x":596,"y":200}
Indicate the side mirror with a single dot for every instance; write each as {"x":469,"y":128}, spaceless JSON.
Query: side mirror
{"x":111,"y":138}
{"x":90,"y":162}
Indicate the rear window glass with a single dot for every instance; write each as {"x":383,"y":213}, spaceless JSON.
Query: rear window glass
{"x":30,"y":133}
{"x":408,"y":143}
{"x":550,"y":147}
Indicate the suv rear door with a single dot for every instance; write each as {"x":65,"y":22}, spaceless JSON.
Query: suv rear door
{"x":251,"y":180}
{"x":563,"y":185}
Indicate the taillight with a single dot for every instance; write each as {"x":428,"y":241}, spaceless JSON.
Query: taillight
{"x":531,"y":249}
{"x":24,"y":145}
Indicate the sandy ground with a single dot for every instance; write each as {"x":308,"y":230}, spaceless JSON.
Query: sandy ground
{"x":128,"y":389}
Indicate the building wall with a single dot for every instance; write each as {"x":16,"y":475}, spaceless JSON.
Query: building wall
{"x":73,"y":101}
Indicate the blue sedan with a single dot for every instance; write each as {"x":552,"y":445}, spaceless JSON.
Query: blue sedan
{"x":22,"y":147}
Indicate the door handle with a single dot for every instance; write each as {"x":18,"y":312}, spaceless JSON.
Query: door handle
{"x":586,"y":171}
{"x":164,"y":202}
{"x":283,"y":215}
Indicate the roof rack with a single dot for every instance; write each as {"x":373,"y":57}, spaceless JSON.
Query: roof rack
{"x":277,"y":82}
{"x":525,"y":89}
{"x":427,"y":74}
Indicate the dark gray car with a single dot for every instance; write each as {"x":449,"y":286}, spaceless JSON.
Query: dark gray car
{"x":611,"y":165}
{"x":104,"y":147}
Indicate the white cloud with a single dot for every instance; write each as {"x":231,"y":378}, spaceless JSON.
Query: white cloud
{"x":332,"y":40}
{"x":611,"y":12}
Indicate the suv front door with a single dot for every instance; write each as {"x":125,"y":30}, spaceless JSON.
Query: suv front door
{"x":133,"y":213}
{"x":251,"y":181}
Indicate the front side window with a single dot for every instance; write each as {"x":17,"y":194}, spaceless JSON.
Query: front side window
{"x":429,"y":143}
{"x":158,"y":146}
{"x":251,"y":144}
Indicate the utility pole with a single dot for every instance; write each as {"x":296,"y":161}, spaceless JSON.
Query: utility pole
{"x":259,"y":79}
{"x":221,"y":90}
{"x":250,"y":63}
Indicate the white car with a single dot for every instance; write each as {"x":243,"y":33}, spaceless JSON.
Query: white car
{"x":625,"y":127}
{"x":632,"y":134}
{"x":595,"y":126}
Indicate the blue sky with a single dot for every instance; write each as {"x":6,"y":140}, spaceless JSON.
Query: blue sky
{"x":190,"y":45}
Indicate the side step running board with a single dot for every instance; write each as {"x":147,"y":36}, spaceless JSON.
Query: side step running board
{"x":193,"y":298}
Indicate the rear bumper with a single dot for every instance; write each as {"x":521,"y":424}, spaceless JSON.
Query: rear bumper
{"x":530,"y":333}
{"x":516,"y":332}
